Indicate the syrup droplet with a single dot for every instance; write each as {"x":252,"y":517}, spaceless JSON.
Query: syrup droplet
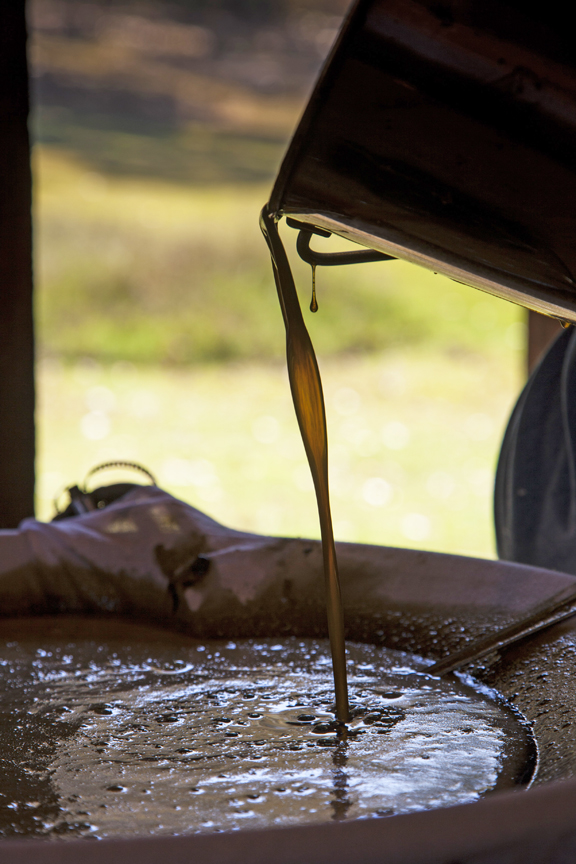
{"x":313,"y":302}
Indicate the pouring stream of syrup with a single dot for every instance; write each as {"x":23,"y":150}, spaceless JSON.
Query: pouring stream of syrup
{"x":308,"y":398}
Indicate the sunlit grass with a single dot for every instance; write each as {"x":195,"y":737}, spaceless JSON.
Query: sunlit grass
{"x":161,"y":341}
{"x":413,"y":442}
{"x":150,"y":272}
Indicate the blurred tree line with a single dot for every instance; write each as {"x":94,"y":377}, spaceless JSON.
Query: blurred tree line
{"x":249,"y":10}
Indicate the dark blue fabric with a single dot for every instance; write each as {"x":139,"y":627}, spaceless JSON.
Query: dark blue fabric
{"x":535,"y":493}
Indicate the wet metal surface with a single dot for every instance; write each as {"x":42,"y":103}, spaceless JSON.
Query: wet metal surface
{"x":113,"y":729}
{"x":445,"y":134}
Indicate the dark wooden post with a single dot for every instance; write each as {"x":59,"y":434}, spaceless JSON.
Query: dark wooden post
{"x":16,"y":328}
{"x":542,"y":330}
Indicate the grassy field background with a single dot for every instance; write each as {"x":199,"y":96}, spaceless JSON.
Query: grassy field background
{"x":159,"y":333}
{"x":161,"y":340}
{"x":413,"y":440}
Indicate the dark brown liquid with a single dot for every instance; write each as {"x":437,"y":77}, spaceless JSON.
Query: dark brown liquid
{"x":113,"y":729}
{"x":314,"y":301}
{"x":308,"y":398}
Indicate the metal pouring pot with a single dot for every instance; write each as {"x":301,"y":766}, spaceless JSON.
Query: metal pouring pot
{"x":445,"y":134}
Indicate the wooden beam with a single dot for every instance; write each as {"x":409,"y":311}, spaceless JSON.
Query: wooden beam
{"x":17,"y":448}
{"x":542,"y":331}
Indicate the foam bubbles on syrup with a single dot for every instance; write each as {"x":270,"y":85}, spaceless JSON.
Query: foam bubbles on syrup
{"x":117,"y":738}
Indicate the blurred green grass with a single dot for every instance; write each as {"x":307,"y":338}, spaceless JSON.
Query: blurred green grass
{"x":145,"y":271}
{"x":161,"y":341}
{"x":159,"y":334}
{"x":413,"y":440}
{"x":198,"y":154}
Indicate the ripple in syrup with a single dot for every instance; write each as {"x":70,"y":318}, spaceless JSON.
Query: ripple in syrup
{"x":123,"y":732}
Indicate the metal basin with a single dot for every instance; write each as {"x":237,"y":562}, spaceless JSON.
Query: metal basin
{"x":415,"y":601}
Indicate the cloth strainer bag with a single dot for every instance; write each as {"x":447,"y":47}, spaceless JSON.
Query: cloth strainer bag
{"x":152,"y":557}
{"x":143,"y":555}
{"x":535,"y":491}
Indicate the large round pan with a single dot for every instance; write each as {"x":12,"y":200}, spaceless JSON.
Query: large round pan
{"x":423,"y":602}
